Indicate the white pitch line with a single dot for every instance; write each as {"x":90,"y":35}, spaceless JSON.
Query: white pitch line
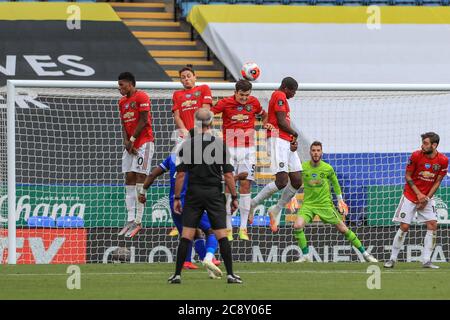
{"x":86,"y":273}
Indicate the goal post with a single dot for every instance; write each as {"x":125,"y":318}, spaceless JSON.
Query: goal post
{"x":65,"y":193}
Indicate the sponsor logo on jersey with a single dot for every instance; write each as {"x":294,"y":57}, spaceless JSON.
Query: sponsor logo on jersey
{"x":133,"y":105}
{"x":248,"y":107}
{"x":427,"y":166}
{"x":280,"y":102}
{"x":127,"y":106}
{"x":240,"y":117}
{"x":240,"y":108}
{"x":188,"y":96}
{"x":322,"y":175}
{"x":189,"y":103}
{"x":427,"y":174}
{"x":128,"y":115}
{"x":197,"y":94}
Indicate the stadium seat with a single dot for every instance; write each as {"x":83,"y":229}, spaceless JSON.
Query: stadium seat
{"x":70,"y":222}
{"x":41,"y":222}
{"x":258,"y":221}
{"x":429,"y":2}
{"x":261,"y":221}
{"x":404,"y":2}
{"x":331,"y":2}
{"x":235,"y":221}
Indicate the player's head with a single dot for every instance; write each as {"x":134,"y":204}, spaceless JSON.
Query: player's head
{"x":127,"y":82}
{"x":315,"y":150}
{"x":203,"y":118}
{"x":187,"y":76}
{"x":430,"y":141}
{"x":289,"y":86}
{"x":243,"y":91}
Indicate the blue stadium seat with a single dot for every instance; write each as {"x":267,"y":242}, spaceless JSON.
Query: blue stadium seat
{"x":273,"y":1}
{"x":260,"y":221}
{"x":41,"y":222}
{"x":404,"y":2}
{"x":429,"y":2}
{"x":70,"y":222}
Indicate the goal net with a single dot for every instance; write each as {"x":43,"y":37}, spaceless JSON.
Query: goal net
{"x":70,"y":195}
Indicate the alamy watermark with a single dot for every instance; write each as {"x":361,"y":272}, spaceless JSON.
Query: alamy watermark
{"x":374,"y":280}
{"x":74,"y":279}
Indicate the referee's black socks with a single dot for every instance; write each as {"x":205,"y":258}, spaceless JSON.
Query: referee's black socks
{"x":181,"y":254}
{"x":225,"y":252}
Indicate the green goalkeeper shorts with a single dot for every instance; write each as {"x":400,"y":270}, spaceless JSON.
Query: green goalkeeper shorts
{"x":327,"y":215}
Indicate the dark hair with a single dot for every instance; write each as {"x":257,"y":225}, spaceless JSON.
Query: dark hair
{"x":316,"y":143}
{"x":188,"y":67}
{"x":289,"y":83}
{"x":434,"y":137}
{"x":243,"y":85}
{"x":128,"y":76}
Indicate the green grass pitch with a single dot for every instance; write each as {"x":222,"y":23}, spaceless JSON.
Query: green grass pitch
{"x":261,"y":281}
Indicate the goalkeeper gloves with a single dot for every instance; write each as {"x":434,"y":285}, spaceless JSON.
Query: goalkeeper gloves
{"x":343,"y":208}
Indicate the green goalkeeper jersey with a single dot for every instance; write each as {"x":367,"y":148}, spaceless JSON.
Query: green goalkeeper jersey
{"x":316,"y":181}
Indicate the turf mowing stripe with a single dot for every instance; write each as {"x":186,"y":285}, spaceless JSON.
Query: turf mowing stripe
{"x":241,"y":272}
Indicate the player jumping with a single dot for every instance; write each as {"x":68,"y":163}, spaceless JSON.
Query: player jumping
{"x":285,"y":163}
{"x":239,"y":113}
{"x":139,"y":147}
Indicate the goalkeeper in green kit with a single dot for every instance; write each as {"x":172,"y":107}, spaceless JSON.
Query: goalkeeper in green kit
{"x":317,"y":176}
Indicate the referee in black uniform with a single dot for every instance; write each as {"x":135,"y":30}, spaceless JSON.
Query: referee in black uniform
{"x":205,"y":159}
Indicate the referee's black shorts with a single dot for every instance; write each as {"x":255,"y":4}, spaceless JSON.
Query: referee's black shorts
{"x":200,"y":198}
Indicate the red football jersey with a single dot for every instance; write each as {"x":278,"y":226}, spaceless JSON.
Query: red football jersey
{"x":278,"y":102}
{"x":188,"y":101}
{"x":129,"y":113}
{"x":424,"y":172}
{"x":238,"y":120}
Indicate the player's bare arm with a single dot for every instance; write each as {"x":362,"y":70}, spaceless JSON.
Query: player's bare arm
{"x":231,"y":184}
{"x":421,"y":198}
{"x":435,"y":186}
{"x":179,"y":123}
{"x":143,"y":122}
{"x":284,"y":125}
{"x":156,"y":172}
{"x":126,"y":142}
{"x":177,"y":208}
{"x":264,"y":119}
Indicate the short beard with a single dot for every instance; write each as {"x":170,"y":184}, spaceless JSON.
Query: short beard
{"x":428,"y":151}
